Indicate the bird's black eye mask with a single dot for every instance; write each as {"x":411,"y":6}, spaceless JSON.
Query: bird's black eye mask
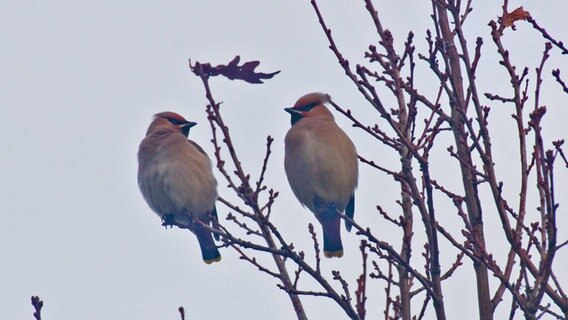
{"x":307,"y":107}
{"x":183,"y":125}
{"x":176,"y":122}
{"x":296,"y":113}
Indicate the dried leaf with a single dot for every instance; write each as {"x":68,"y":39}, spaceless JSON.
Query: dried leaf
{"x":233,"y":71}
{"x":509,"y":18}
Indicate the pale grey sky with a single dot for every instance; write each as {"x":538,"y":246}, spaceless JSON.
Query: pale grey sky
{"x":79,"y":83}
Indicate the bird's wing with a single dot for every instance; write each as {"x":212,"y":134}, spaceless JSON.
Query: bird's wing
{"x":350,"y":211}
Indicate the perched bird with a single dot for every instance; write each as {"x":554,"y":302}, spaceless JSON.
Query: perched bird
{"x":321,"y":165}
{"x":175,"y":178}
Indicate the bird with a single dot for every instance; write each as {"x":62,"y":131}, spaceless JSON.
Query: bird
{"x":176,"y":179}
{"x":321,"y":166}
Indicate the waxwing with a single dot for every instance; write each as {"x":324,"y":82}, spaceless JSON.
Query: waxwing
{"x":321,"y":166}
{"x":176,"y":180}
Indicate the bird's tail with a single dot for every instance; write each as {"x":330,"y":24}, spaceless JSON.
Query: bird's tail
{"x":332,"y":246}
{"x":209,"y":250}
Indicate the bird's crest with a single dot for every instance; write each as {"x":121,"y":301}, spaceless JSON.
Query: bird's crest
{"x":312,"y":98}
{"x":172,"y":117}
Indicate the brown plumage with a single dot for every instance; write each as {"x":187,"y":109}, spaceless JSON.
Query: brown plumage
{"x":321,"y":165}
{"x":175,"y":178}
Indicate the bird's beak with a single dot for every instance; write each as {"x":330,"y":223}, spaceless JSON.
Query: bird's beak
{"x":293,"y":111}
{"x":189,"y":124}
{"x":186,"y":126}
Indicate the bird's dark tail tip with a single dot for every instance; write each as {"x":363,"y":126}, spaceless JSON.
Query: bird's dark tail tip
{"x":209,"y":251}
{"x":333,"y":254}
{"x":210,"y":260}
{"x":349,"y":212}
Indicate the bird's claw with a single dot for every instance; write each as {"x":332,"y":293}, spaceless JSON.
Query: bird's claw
{"x":168,"y":220}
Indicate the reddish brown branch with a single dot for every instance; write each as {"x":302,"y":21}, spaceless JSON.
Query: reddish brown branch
{"x":547,"y":36}
{"x":361,"y":291}
{"x":316,"y":246}
{"x":556,"y":74}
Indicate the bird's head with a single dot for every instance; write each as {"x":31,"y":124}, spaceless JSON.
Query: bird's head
{"x":310,"y":105}
{"x":170,"y":120}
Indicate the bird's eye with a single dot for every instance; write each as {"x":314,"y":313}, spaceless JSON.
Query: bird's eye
{"x":175,"y":122}
{"x":307,"y":107}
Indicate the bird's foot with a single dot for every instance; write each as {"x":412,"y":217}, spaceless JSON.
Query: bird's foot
{"x":168,"y":220}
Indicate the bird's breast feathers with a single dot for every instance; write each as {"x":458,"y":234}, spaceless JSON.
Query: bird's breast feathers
{"x":321,"y":162}
{"x":174,"y":179}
